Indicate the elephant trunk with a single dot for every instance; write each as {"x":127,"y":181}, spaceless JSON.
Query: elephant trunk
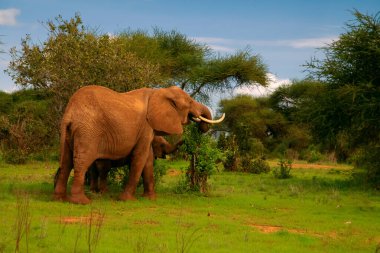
{"x":204,"y":118}
{"x":205,"y":113}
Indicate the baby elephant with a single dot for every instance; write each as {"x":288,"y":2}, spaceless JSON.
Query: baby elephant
{"x":97,"y":173}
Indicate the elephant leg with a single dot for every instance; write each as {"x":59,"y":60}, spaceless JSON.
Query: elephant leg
{"x":138,"y":161}
{"x":149,"y":178}
{"x":103,"y":173}
{"x":77,"y":189}
{"x":63,"y":173}
{"x":60,"y":190}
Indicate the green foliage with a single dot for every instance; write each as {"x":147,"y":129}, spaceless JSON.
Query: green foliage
{"x":283,"y":171}
{"x":203,"y":152}
{"x":368,"y":159}
{"x":25,"y":128}
{"x":252,"y":122}
{"x":349,"y":108}
{"x":74,"y":56}
{"x":312,"y":154}
{"x":256,"y":165}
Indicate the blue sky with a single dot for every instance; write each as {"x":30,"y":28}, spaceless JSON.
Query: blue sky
{"x":284,"y":33}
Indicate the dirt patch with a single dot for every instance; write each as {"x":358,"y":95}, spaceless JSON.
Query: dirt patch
{"x":268,"y":229}
{"x":310,"y":166}
{"x":146,"y":222}
{"x":75,"y":220}
{"x":173,"y":172}
{"x":94,"y":218}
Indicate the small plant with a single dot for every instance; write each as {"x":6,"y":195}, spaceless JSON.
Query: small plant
{"x":203,"y":156}
{"x":185,"y":238}
{"x":94,"y":226}
{"x":283,"y":171}
{"x":23,"y":220}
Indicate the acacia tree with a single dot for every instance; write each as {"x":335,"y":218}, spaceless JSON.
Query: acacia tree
{"x":350,"y":107}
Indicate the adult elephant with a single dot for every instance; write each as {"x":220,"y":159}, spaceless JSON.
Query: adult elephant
{"x":100,"y":123}
{"x":98,"y":172}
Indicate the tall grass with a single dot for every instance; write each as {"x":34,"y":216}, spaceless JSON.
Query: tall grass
{"x":23,"y":221}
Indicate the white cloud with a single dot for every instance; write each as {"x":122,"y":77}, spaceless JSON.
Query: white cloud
{"x":258,"y":91}
{"x":230,"y":45}
{"x":8,"y":16}
{"x":311,"y":43}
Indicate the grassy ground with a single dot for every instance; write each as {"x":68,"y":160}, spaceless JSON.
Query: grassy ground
{"x":319,"y":209}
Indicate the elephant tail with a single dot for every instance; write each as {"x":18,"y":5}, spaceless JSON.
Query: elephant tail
{"x":66,"y":161}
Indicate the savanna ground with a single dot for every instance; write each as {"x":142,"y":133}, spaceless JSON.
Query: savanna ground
{"x":320,"y":209}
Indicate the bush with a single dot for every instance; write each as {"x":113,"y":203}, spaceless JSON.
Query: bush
{"x":367,"y":158}
{"x":312,"y":154}
{"x":203,"y":153}
{"x":255,"y":166}
{"x":258,"y":166}
{"x":283,"y":171}
{"x":230,"y":162}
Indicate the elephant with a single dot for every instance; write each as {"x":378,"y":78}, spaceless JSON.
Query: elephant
{"x":99,"y":123}
{"x":98,"y":172}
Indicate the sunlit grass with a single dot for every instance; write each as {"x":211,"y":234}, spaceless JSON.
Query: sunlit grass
{"x":316,"y":210}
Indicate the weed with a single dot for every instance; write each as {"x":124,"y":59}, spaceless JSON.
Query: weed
{"x":186,"y":239}
{"x":141,"y":244}
{"x":23,"y":220}
{"x":94,"y":226}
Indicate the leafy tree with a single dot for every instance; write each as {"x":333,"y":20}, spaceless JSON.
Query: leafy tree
{"x":74,"y":56}
{"x":251,"y":118}
{"x":350,"y":107}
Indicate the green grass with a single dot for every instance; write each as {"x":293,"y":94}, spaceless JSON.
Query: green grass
{"x":317,"y":210}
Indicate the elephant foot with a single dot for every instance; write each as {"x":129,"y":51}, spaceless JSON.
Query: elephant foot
{"x":127,"y":196}
{"x":150,"y":195}
{"x":60,"y":197}
{"x":79,"y":199}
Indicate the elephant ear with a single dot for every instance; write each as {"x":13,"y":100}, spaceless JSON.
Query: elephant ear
{"x":167,"y":111}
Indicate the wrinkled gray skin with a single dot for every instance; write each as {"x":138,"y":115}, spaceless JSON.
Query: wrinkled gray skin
{"x":98,"y":172}
{"x":100,"y":123}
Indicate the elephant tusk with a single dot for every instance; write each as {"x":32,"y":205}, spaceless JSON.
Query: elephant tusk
{"x":196,"y":119}
{"x":213,"y":121}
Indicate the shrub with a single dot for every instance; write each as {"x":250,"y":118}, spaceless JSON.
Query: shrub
{"x":259,"y":165}
{"x":283,"y":171}
{"x":230,"y":162}
{"x":203,"y":155}
{"x":367,"y":158}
